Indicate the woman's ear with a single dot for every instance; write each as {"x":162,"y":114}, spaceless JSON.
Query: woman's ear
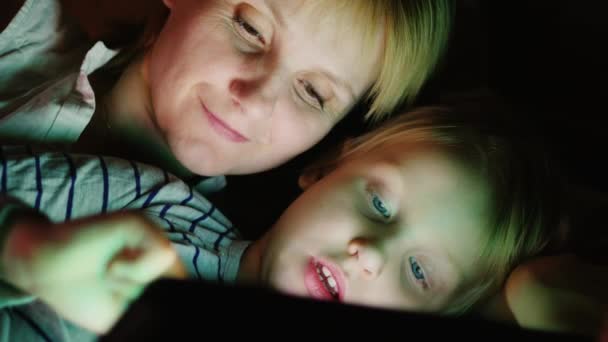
{"x":322,"y":167}
{"x":309,"y":177}
{"x":169,"y":3}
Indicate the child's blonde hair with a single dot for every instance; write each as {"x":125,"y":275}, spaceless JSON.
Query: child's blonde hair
{"x":524,"y":206}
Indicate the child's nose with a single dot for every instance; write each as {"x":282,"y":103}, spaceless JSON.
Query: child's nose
{"x":366,"y":258}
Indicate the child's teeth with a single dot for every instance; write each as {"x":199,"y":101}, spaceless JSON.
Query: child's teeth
{"x":327,"y":278}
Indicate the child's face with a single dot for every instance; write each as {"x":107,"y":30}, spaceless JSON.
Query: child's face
{"x":242,"y":86}
{"x":401,"y":228}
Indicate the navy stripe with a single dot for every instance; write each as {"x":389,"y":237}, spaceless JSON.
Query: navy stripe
{"x":187,"y":238}
{"x":33,"y":324}
{"x":171,"y":226}
{"x":3,"y":179}
{"x":137,"y":179}
{"x":168,"y":206}
{"x":172,"y":229}
{"x":184,"y":202}
{"x":165,"y":209}
{"x":216,"y":245}
{"x":195,"y":259}
{"x":68,"y":209}
{"x":151,"y":197}
{"x":106,"y":185}
{"x":219,"y":268}
{"x":195,"y":222}
{"x":29,"y":151}
{"x":38,"y":182}
{"x":197,"y":252}
{"x":155,"y":191}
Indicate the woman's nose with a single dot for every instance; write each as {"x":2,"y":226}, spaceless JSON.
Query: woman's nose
{"x":256,"y":101}
{"x":365,"y":258}
{"x":255,"y":94}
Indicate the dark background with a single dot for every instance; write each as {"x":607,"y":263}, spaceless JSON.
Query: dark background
{"x":547,"y":57}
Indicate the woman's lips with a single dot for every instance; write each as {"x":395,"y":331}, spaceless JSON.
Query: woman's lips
{"x":223,"y":128}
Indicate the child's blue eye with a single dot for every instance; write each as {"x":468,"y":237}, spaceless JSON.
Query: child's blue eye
{"x":417,"y":270}
{"x":380,"y":207}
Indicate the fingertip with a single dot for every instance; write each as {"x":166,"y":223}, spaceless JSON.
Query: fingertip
{"x":176,"y":270}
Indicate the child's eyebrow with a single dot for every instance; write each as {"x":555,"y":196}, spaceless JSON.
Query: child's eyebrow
{"x":450,"y":272}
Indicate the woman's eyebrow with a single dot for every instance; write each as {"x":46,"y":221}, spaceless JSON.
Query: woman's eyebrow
{"x":278,"y":15}
{"x":340,"y":83}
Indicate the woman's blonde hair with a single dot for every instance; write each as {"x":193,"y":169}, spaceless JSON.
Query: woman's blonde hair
{"x":415,"y":35}
{"x":524,"y":187}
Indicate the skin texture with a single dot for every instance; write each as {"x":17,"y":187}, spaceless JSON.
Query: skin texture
{"x":100,"y":262}
{"x":236,"y":87}
{"x":398,"y":229}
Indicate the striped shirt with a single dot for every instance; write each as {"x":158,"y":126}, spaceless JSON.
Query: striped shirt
{"x":46,"y":98}
{"x":68,"y":186}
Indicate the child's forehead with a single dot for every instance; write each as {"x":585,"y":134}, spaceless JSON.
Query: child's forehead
{"x":425,"y":168}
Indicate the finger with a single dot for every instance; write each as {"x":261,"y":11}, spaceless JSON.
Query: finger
{"x":176,"y":271}
{"x":88,"y":306}
{"x":143,"y":265}
{"x":114,"y":311}
{"x":148,"y":254}
{"x":125,"y":288}
{"x":125,"y":244}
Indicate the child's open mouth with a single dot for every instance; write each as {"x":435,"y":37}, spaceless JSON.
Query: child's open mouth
{"x":321,"y":281}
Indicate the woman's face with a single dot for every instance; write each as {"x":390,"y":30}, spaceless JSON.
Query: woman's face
{"x":242,"y":86}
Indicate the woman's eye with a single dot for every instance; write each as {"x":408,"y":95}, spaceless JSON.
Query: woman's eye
{"x":417,"y":270}
{"x":248,"y":29}
{"x":380,"y":207}
{"x":312,"y":94}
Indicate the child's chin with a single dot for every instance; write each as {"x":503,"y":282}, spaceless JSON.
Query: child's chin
{"x":297,"y":295}
{"x":289,"y":291}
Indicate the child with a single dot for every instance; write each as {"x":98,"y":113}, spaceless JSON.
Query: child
{"x":428,"y":212}
{"x":223,"y":87}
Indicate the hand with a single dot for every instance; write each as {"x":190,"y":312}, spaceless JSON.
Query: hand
{"x":88,"y":270}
